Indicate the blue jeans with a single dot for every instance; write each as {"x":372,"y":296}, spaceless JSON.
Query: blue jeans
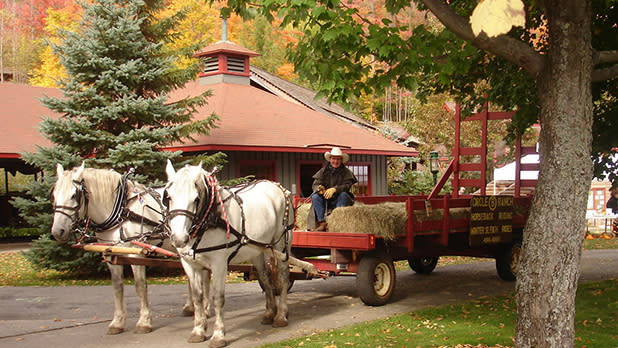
{"x":341,"y":199}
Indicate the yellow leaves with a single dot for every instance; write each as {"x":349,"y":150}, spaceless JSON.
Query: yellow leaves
{"x":497,"y":17}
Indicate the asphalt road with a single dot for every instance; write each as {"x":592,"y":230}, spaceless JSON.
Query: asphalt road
{"x":57,"y":317}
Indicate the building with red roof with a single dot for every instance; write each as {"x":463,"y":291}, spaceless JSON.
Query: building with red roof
{"x":274,"y":129}
{"x":268,"y":127}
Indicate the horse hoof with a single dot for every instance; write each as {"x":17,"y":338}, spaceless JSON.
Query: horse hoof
{"x":280,"y":323}
{"x":114,"y":330}
{"x":142,"y":330}
{"x":196,"y":339}
{"x":187,"y":313}
{"x":266,"y":321}
{"x":217,"y":343}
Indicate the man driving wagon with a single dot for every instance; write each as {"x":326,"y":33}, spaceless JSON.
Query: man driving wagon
{"x":331,"y":188}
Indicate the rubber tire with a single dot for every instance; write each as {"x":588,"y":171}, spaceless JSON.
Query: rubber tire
{"x":507,"y":261}
{"x":375,"y":280}
{"x":423,"y":265}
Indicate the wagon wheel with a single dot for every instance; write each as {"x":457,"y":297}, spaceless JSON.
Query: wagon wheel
{"x":423,"y":265}
{"x":375,"y":280}
{"x":507,"y":261}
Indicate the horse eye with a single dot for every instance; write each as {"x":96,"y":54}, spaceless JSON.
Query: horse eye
{"x":197,"y":200}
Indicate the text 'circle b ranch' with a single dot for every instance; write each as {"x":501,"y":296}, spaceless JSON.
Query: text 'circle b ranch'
{"x":491,"y":219}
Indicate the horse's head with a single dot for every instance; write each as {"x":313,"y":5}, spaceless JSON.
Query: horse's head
{"x":68,"y":198}
{"x":187,"y":196}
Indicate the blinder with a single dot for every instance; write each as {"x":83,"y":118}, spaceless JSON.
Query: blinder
{"x":203,"y":214}
{"x":81,"y":193}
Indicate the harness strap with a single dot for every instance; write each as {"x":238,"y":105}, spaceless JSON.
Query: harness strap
{"x":115,"y":217}
{"x":121,"y":213}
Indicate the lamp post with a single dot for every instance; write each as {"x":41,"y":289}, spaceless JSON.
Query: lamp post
{"x":434,"y":165}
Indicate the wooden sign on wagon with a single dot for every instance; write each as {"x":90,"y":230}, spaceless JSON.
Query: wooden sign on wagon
{"x":491,"y":220}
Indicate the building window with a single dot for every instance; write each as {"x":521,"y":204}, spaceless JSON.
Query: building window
{"x":259,"y":169}
{"x":362,"y":173}
{"x":597,"y":200}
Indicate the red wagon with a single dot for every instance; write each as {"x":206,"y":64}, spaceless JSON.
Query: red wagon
{"x":491,"y":226}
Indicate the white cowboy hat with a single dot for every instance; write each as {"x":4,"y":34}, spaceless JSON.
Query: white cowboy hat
{"x":335,"y":151}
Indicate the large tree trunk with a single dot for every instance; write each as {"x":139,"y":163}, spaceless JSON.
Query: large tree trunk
{"x":551,"y":255}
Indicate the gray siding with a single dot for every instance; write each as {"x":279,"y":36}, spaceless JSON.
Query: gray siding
{"x":287,"y":166}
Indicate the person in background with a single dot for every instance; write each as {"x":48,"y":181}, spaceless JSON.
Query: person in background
{"x":331,"y":187}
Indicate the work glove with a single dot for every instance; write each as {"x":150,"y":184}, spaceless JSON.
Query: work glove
{"x":329,"y":193}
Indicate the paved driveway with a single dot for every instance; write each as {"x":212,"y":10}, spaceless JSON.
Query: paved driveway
{"x":57,"y":317}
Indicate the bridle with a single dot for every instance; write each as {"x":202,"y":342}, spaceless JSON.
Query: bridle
{"x":203,"y":213}
{"x":81,"y":197}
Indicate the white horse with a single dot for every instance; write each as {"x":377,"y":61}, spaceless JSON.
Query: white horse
{"x":118,"y":210}
{"x":211,"y":226}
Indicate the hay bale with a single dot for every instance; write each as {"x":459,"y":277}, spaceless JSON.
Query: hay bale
{"x":385,"y":219}
{"x":301,"y":216}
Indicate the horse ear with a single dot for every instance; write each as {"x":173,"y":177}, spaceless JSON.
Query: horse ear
{"x":59,"y":170}
{"x":79,"y":171}
{"x":200,"y":165}
{"x":169,"y":170}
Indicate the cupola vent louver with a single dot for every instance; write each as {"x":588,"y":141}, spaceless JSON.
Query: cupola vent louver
{"x":211,"y":64}
{"x":235,"y":64}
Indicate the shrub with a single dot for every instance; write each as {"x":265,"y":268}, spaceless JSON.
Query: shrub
{"x":45,"y":253}
{"x":11,"y":232}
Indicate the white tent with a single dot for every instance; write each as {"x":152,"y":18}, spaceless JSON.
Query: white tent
{"x":507,"y":172}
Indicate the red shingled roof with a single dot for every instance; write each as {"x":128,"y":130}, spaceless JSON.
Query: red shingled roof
{"x":20,"y":115}
{"x":250,"y":120}
{"x":254,"y":120}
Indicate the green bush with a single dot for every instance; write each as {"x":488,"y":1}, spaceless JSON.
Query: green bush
{"x":45,"y":253}
{"x":11,"y":232}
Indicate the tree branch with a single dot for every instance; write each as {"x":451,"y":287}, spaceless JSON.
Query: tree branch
{"x":601,"y":57}
{"x":605,"y":73}
{"x":503,"y":46}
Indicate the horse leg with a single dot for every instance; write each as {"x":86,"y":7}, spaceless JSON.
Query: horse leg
{"x":264,"y":275}
{"x":144,"y":324}
{"x":281,"y":319}
{"x":187,"y":309}
{"x":120,"y":311}
{"x":198,"y":334}
{"x":218,"y":336}
{"x":207,"y":274}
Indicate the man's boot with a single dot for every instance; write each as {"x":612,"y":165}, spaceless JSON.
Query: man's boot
{"x":321,"y":226}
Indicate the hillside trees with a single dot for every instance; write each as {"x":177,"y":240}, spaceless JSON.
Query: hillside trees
{"x":21,"y":27}
{"x":115,"y":112}
{"x":550,"y":71}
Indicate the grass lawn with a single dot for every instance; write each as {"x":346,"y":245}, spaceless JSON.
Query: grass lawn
{"x":486,"y":322}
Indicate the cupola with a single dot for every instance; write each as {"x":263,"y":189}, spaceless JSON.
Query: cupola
{"x":224,"y":61}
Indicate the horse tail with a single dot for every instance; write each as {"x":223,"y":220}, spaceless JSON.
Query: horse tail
{"x":304,"y":265}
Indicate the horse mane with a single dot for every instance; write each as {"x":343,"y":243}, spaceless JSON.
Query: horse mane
{"x":101,"y":182}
